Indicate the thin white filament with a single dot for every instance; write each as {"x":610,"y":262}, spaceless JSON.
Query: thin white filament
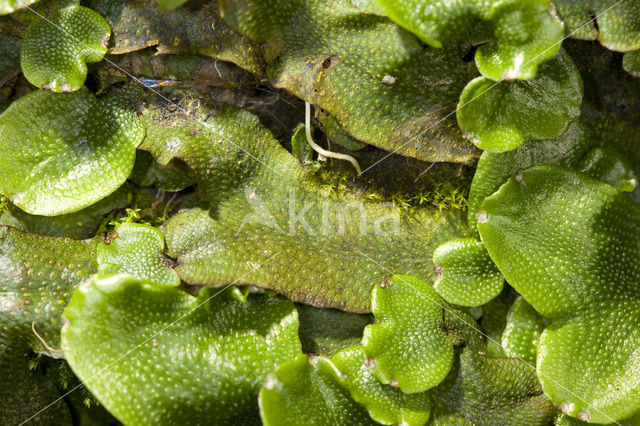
{"x":320,"y":150}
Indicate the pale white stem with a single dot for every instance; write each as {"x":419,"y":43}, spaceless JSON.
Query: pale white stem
{"x":52,"y":352}
{"x":320,"y":150}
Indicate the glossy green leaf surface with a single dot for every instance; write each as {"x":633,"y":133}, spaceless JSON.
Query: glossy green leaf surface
{"x":369,"y":6}
{"x":573,"y":258}
{"x":206,"y":254}
{"x":481,"y":390}
{"x":609,"y":166}
{"x":615,"y":24}
{"x":526,"y":34}
{"x":170,"y":4}
{"x":501,"y":116}
{"x":39,"y":9}
{"x":37,"y":277}
{"x":631,"y":63}
{"x":61,"y":153}
{"x":465,"y":273}
{"x":375,"y":79}
{"x":77,"y":225}
{"x":210,"y":360}
{"x":224,"y":271}
{"x":565,"y":420}
{"x":273,"y":225}
{"x":386,"y":405}
{"x":309,"y":391}
{"x":434,"y":23}
{"x":521,"y":34}
{"x":137,"y":250}
{"x":495,"y":168}
{"x":55,"y":49}
{"x":10,"y":6}
{"x":522,"y":331}
{"x":82,"y":405}
{"x":570,"y":150}
{"x":406,"y":346}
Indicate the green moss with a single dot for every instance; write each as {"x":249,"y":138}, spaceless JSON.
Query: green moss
{"x":442,"y":189}
{"x":259,"y":281}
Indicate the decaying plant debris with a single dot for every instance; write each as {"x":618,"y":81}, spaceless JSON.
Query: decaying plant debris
{"x":329,"y":212}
